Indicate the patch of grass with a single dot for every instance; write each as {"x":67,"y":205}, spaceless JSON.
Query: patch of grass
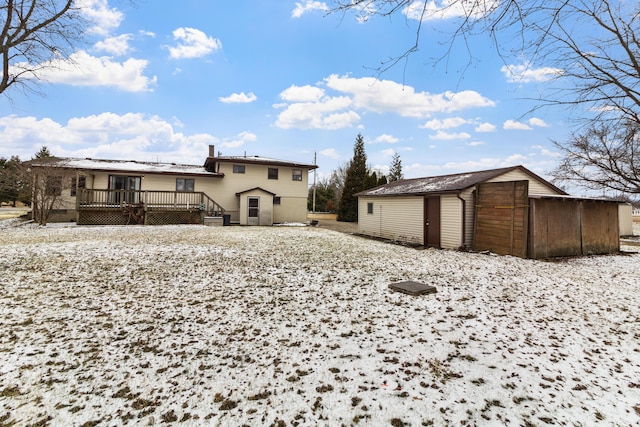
{"x":260,"y":396}
{"x":10,"y":392}
{"x":324,"y":388}
{"x":228,"y":405}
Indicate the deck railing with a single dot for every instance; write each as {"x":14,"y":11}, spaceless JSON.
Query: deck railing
{"x":88,"y":199}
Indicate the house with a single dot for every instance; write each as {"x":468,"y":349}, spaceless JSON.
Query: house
{"x":225,"y":189}
{"x":507,"y":211}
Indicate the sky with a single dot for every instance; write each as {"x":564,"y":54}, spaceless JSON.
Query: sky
{"x":161,"y":81}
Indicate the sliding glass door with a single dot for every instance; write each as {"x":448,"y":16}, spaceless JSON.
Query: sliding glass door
{"x":129,"y":187}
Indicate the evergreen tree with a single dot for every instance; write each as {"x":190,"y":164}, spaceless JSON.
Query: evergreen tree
{"x":44,"y":152}
{"x":371,"y":181}
{"x":355,"y":181}
{"x":13,"y":180}
{"x":395,"y":170}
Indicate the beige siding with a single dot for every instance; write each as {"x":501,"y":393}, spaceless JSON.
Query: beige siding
{"x":289,"y":210}
{"x":535,"y":186}
{"x":223,"y":190}
{"x":396,"y":218}
{"x":450,"y":222}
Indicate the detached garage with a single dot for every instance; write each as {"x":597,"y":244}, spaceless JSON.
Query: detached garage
{"x":484,"y":210}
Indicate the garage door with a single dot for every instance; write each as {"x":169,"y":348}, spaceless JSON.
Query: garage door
{"x":501,"y":218}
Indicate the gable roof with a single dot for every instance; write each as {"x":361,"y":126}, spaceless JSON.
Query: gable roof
{"x":453,"y":183}
{"x":255,"y":188}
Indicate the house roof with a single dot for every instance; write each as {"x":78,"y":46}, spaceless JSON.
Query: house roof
{"x":255,"y":188}
{"x":258,"y":160}
{"x":445,"y":183}
{"x":132,"y":166}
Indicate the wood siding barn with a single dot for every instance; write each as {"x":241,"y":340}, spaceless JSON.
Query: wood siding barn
{"x":489,"y":210}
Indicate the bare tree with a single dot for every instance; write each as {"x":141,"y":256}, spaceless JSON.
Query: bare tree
{"x":33,"y":34}
{"x":49,"y":180}
{"x":603,"y":157}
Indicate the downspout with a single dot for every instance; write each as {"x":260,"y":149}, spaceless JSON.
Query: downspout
{"x":464,"y":218}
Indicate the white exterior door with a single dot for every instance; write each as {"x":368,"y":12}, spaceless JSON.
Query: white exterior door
{"x":253,"y":213}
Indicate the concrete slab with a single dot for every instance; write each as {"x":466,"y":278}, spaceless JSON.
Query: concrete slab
{"x":412,"y":288}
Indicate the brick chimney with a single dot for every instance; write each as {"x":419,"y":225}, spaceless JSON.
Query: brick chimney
{"x":212,"y":150}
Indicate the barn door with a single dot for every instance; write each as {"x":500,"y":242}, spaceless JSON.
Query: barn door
{"x":432,"y":221}
{"x":502,"y":218}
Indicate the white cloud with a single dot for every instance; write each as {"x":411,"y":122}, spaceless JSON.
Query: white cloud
{"x":524,"y":73}
{"x":514,"y":125}
{"x":544,"y":151}
{"x":446,"y":136}
{"x":86,"y":70}
{"x":192,"y":43}
{"x":331,"y":153}
{"x":514,"y":159}
{"x":475,"y":143}
{"x":308,"y":6}
{"x":324,"y":114}
{"x":448,"y":123}
{"x":239,"y":98}
{"x":239,"y":140}
{"x":103,"y":18}
{"x":447,"y":9}
{"x":305,"y":93}
{"x":107,"y":136}
{"x":386,"y":96}
{"x":534,"y":121}
{"x":386,"y":139}
{"x":115,"y":45}
{"x":311,"y":107}
{"x":485,"y":127}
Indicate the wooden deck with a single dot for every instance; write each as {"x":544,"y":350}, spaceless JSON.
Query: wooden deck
{"x":117,"y":207}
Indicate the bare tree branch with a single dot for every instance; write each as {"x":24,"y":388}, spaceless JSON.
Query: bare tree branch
{"x":34,"y":33}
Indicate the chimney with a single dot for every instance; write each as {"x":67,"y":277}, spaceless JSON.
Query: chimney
{"x":212,"y":150}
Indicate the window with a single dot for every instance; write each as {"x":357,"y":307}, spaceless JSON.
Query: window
{"x":276,"y":200}
{"x":238,"y":168}
{"x":297,"y":175}
{"x":273,"y":173}
{"x":254,"y":207}
{"x":81,"y":182}
{"x":370,"y":207}
{"x":184,"y":184}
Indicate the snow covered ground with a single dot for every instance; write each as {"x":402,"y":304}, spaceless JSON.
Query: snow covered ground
{"x":296,"y":326}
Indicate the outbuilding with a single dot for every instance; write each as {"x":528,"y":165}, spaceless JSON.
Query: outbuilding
{"x":482,"y":210}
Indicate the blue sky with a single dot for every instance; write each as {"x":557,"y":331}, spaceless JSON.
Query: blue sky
{"x":160,"y":81}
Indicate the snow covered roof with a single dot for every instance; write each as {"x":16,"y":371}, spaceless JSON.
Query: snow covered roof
{"x":443,"y":183}
{"x":125,"y":166}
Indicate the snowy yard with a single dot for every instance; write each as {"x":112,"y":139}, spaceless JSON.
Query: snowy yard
{"x":296,"y":326}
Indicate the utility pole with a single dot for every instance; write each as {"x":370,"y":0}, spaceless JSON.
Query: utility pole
{"x":314,"y":182}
